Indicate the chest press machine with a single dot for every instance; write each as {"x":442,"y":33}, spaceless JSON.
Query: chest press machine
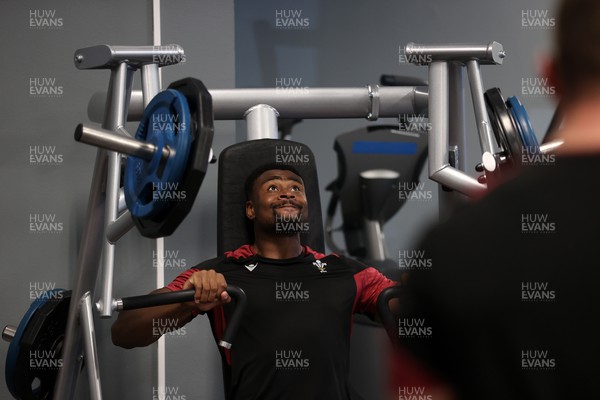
{"x":169,"y":156}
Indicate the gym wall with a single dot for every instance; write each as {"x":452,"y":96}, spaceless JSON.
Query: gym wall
{"x":46,"y":175}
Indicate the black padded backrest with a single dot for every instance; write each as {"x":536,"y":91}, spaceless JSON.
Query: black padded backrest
{"x":374,"y":147}
{"x":236,"y":164}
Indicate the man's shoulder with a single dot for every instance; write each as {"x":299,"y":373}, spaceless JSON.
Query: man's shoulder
{"x":238,"y":255}
{"x":316,"y":254}
{"x":241,"y":253}
{"x":341,"y":261}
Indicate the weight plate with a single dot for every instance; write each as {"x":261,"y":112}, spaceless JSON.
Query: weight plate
{"x":150,"y":186}
{"x":34,"y":353}
{"x":200,"y":106}
{"x":15,"y":345}
{"x":503,"y":125}
{"x":523,"y":124}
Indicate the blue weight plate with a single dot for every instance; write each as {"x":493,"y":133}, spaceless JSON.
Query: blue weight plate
{"x":523,"y":124}
{"x":14,"y":348}
{"x":200,"y":104}
{"x":166,"y":121}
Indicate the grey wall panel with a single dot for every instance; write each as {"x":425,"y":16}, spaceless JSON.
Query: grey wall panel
{"x":47,"y":174}
{"x":44,"y":98}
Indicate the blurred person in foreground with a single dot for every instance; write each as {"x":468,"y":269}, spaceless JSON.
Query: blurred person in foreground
{"x":511,"y":298}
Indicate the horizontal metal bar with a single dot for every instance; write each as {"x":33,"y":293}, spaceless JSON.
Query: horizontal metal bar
{"x":458,"y":180}
{"x":486,"y":53}
{"x":231,"y":104}
{"x":316,"y":102}
{"x":109,"y":140}
{"x":106,"y":57}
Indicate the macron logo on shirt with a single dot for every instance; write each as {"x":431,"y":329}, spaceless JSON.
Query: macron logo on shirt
{"x":251,"y":267}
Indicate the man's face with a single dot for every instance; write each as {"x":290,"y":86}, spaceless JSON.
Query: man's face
{"x":277,"y":196}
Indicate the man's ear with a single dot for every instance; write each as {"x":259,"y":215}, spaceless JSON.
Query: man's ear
{"x":250,"y":213}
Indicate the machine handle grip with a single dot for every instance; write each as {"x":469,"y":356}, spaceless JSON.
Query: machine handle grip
{"x":236,"y":318}
{"x":180,"y":296}
{"x":385,"y":314}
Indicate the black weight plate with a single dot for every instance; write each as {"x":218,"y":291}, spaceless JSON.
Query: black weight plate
{"x":14,"y":349}
{"x":40,"y":348}
{"x":503,"y":125}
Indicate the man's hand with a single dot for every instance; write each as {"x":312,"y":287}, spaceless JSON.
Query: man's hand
{"x":210,"y":288}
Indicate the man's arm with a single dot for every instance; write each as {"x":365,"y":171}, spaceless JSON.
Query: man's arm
{"x":369,"y":285}
{"x":394,"y":303}
{"x":144,"y":326}
{"x":137,"y":328}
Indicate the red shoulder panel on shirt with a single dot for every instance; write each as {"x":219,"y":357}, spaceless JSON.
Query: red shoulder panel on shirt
{"x":315,"y":254}
{"x":244,"y":251}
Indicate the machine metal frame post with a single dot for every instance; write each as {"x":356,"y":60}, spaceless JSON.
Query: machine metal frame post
{"x":437,"y":57}
{"x":117,"y":225}
{"x":457,"y":135}
{"x":440,"y":169}
{"x":486,"y":136}
{"x":150,"y":82}
{"x":115,"y":120}
{"x":104,"y":202}
{"x":91,"y":351}
{"x":101,"y":206}
{"x":375,"y":241}
{"x":87,"y":271}
{"x":261,"y":122}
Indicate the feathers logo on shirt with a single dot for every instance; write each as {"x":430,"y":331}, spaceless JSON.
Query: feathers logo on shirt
{"x":320,"y":265}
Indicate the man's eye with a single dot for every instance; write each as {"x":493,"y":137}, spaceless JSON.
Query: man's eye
{"x":272,"y":188}
{"x":295,"y":188}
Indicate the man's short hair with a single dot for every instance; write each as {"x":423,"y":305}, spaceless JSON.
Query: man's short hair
{"x":577,"y":58}
{"x":249,"y":184}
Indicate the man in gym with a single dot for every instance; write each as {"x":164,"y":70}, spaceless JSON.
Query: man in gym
{"x":293,"y":342}
{"x":512,"y":292}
